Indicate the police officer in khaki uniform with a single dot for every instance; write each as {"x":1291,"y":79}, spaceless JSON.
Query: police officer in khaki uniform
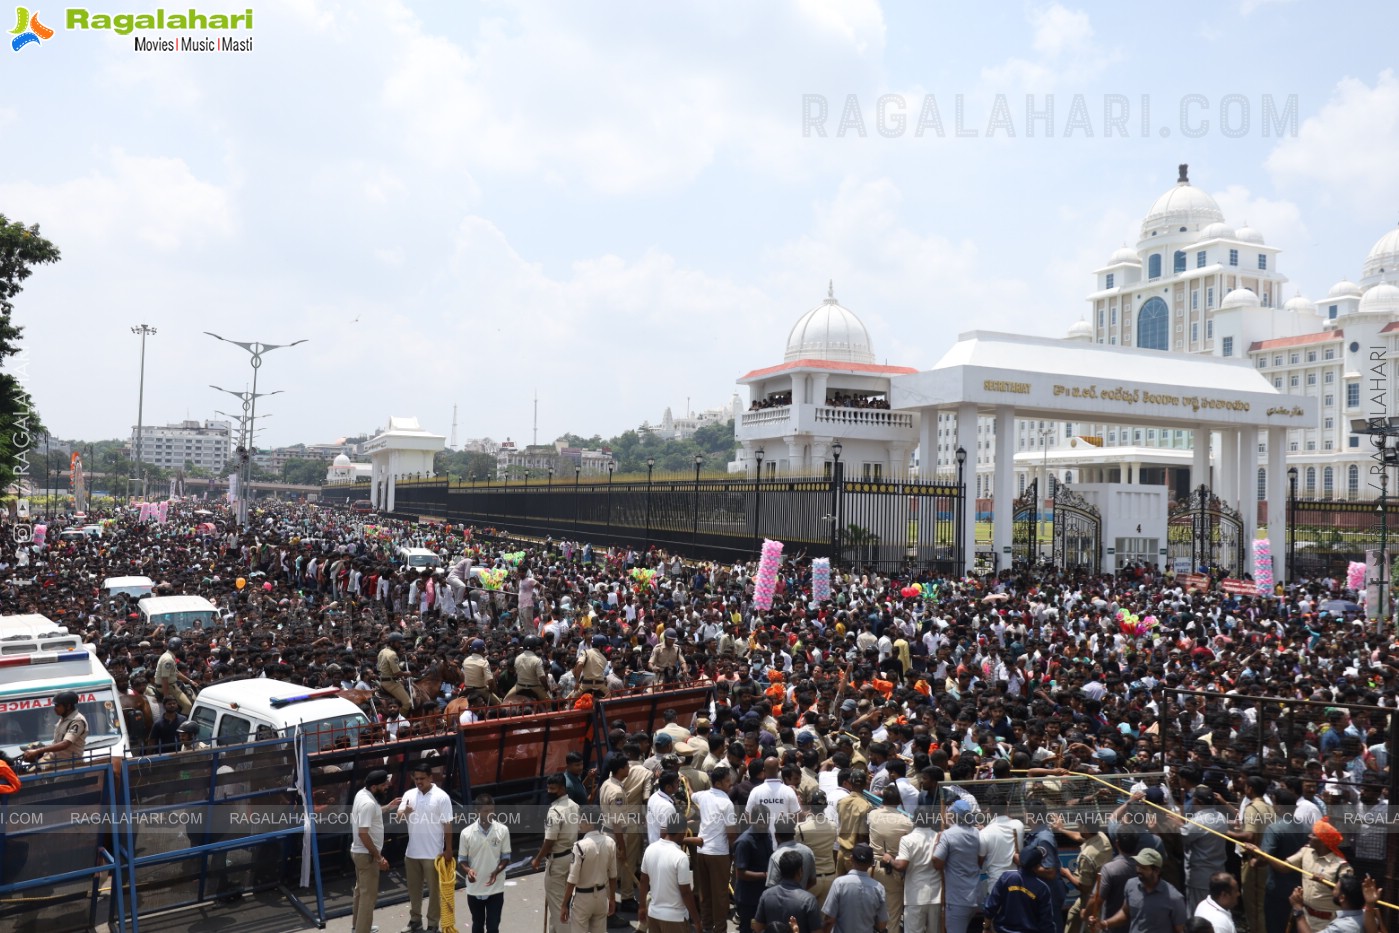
{"x":888,"y":825}
{"x":560,"y":833}
{"x":591,"y":670}
{"x":637,"y":784}
{"x":819,"y":835}
{"x":612,"y":798}
{"x":667,"y":663}
{"x":530,"y":677}
{"x":69,"y":735}
{"x":168,"y":676}
{"x":852,"y":812}
{"x":590,"y":894}
{"x":476,"y":672}
{"x":391,"y":672}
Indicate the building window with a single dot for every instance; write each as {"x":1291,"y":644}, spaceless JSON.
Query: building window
{"x":1330,"y":353}
{"x":1100,"y":317}
{"x":1294,"y":359}
{"x":1153,"y":266}
{"x":1352,"y":395}
{"x":1329,"y":378}
{"x":1328,"y":482}
{"x":1354,"y":442}
{"x":1292,"y":381}
{"x":1226,"y":346}
{"x":1352,"y":481}
{"x":1262,"y":262}
{"x":1331,"y":312}
{"x":1311,"y":356}
{"x":1233,"y":257}
{"x":1311,"y":478}
{"x":1311,"y":445}
{"x":1262,"y":362}
{"x":1328,"y":423}
{"x":1200,"y":259}
{"x":1153,"y":325}
{"x":1194,"y":333}
{"x":1209,"y":330}
{"x":1262,"y":484}
{"x":1110,"y":280}
{"x":1194,"y":299}
{"x":1277,"y":361}
{"x":1277,"y":382}
{"x":1311,"y":379}
{"x":1209,"y":298}
{"x":1113,"y":318}
{"x":1179,"y":260}
{"x":1329,"y":401}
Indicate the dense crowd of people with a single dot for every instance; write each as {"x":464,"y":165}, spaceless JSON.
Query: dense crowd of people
{"x":919,"y":757}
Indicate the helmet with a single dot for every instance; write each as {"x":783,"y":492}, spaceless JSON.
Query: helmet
{"x":66,"y":698}
{"x":478,"y":645}
{"x":175,"y":643}
{"x":533,"y":642}
{"x":395,"y":636}
{"x":189,"y":725}
{"x":599,"y":641}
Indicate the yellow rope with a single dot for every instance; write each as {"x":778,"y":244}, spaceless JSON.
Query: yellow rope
{"x":1281,"y":863}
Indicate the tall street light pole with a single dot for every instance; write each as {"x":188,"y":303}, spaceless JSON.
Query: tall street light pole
{"x":694,"y":529}
{"x":836,"y":449}
{"x":758,"y":497}
{"x":143,"y":331}
{"x":245,"y":444}
{"x":1291,"y":524}
{"x":577,"y":478}
{"x":650,"y":465}
{"x":959,"y":551}
{"x":256,"y":349}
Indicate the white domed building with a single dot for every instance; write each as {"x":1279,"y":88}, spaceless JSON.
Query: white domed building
{"x":344,"y":470}
{"x":828,"y":389}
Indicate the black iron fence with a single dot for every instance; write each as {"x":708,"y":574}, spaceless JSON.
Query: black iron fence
{"x":879,"y":525}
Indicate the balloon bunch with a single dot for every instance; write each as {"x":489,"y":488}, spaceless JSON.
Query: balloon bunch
{"x":494,"y":578}
{"x":1263,"y":565}
{"x":1132,"y":624}
{"x":821,"y":578}
{"x":644,"y":577}
{"x":911,"y":591}
{"x":765,"y":583}
{"x":513,"y":558}
{"x":1355,"y":575}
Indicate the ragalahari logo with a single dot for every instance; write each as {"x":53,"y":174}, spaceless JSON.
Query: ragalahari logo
{"x":28,"y":29}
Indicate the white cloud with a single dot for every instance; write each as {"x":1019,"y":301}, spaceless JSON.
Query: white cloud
{"x":1349,"y":148}
{"x":1248,"y":7}
{"x":154,"y":200}
{"x":1066,"y":54}
{"x":1280,"y":221}
{"x":1059,"y":30}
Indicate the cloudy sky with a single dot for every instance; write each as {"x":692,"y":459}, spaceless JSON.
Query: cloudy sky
{"x":623,"y":205}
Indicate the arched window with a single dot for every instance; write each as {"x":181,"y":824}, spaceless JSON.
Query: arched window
{"x":1352,"y":481}
{"x":1311,"y":481}
{"x":1328,"y":482}
{"x":1180,"y":260}
{"x":1153,"y":266}
{"x":1154,"y":325}
{"x":1262,"y":484}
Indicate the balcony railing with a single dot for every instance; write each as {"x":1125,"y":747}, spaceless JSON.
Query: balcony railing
{"x":868,"y":417}
{"x":767,"y":415}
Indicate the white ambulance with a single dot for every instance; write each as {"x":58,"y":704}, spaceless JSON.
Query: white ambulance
{"x":40,"y":659}
{"x":238,"y":711}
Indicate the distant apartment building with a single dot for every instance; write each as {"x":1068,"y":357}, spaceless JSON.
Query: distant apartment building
{"x":206,"y":445}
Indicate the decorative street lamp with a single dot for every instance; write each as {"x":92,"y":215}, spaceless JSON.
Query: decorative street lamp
{"x":1291,"y":524}
{"x":577,"y":493}
{"x":836,"y":449}
{"x":611,"y":465}
{"x":650,"y":465}
{"x":960,"y":549}
{"x":757,"y":496}
{"x":694,"y":530}
{"x":143,"y":331}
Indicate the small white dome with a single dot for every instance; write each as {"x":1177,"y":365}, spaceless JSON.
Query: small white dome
{"x":1080,"y":331}
{"x":1216,"y":230}
{"x":830,"y":332}
{"x":1345,"y":288}
{"x":1125,"y":254}
{"x":342,"y":460}
{"x":1382,"y":299}
{"x":1181,"y":206}
{"x":1384,"y":255}
{"x":1249,"y":235}
{"x":1299,"y":304}
{"x":1240,"y":298}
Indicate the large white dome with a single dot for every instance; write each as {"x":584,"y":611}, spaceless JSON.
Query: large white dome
{"x":1080,"y":331}
{"x":1249,"y":235}
{"x":342,"y":460}
{"x":1124,"y":254}
{"x":1384,"y":255}
{"x":1240,"y":298}
{"x":1182,"y":206}
{"x":1345,"y":288}
{"x":1381,"y":299}
{"x":1300,"y":304}
{"x":830,"y":331}
{"x":1217,"y":229}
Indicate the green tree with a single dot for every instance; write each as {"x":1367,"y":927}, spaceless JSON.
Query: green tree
{"x":21,"y":249}
{"x":303,"y":472}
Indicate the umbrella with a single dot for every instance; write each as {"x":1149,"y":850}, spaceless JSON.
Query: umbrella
{"x":202,"y":512}
{"x":994,"y":597}
{"x":1340,"y":606}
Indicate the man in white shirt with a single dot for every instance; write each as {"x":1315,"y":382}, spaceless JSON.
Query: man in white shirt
{"x":922,"y":882}
{"x":666,"y":877}
{"x":717,"y":824}
{"x":367,"y":847}
{"x":484,"y":853}
{"x":777,"y":797}
{"x":428,"y":811}
{"x":660,"y":806}
{"x":1001,"y":839}
{"x":1218,"y":907}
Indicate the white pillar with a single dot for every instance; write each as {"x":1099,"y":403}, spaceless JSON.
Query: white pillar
{"x":966,"y":439}
{"x":1277,"y":501}
{"x":1003,"y":516}
{"x":1200,"y":465}
{"x":1248,"y":481}
{"x":928,"y":446}
{"x":1227,"y":471}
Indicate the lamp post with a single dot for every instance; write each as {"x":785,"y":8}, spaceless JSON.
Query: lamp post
{"x":757,"y":496}
{"x":143,"y":331}
{"x":959,"y":552}
{"x":611,"y":465}
{"x":1291,"y":524}
{"x":256,"y":349}
{"x":1045,"y":435}
{"x":694,"y":528}
{"x":1380,"y":431}
{"x":245,"y":444}
{"x":650,"y":465}
{"x":577,"y":493}
{"x":1384,"y":550}
{"x":836,"y":449}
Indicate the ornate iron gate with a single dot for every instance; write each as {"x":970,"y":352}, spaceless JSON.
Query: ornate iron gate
{"x":1208,"y":532}
{"x":1078,"y":532}
{"x":1025,"y":526}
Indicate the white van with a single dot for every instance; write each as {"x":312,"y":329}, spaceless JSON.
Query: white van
{"x":418,"y":558}
{"x":40,"y":659}
{"x":232,"y":712}
{"x":179,"y":613}
{"x":135,"y":587}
